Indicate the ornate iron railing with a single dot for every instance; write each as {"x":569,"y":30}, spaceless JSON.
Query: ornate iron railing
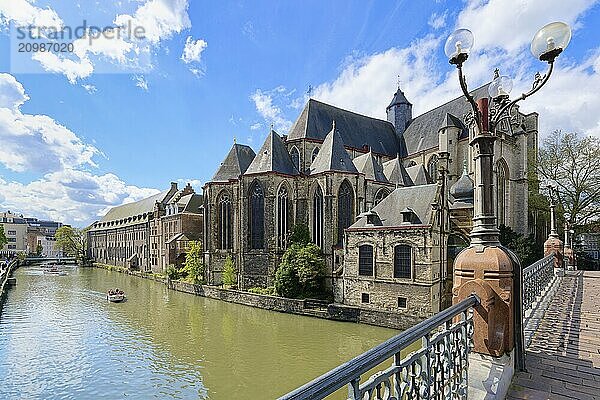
{"x":536,"y":278}
{"x":437,"y":370}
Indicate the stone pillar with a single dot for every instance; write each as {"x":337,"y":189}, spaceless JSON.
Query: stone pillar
{"x":488,"y":269}
{"x":568,"y":251}
{"x":554,"y":244}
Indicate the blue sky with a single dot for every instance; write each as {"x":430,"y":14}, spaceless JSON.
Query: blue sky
{"x":116,"y":121}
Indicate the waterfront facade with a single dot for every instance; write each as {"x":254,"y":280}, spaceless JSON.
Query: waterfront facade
{"x":15,"y":230}
{"x":133,"y":235}
{"x":335,"y":165}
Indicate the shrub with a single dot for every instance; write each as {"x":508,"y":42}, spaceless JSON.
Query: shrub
{"x":258,"y":290}
{"x":229,"y":274}
{"x":172,"y":272}
{"x":301,"y":272}
{"x":194,"y":267}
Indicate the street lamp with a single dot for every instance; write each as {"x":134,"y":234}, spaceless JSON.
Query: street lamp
{"x":546,"y":45}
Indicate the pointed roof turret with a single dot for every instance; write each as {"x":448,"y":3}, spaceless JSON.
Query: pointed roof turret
{"x":399,"y":98}
{"x":450,"y":121}
{"x":396,"y":173}
{"x":332,"y":156}
{"x":368,"y":165}
{"x":463,"y":189}
{"x":272,"y":157}
{"x":235,"y":163}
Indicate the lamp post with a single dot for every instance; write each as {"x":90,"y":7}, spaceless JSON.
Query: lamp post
{"x":486,"y":267}
{"x":554,"y":245}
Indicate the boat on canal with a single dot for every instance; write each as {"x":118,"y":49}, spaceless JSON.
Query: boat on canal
{"x":53,"y":270}
{"x":115,"y":296}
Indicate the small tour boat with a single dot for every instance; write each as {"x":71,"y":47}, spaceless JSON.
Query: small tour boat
{"x":53,"y":270}
{"x":115,"y":296}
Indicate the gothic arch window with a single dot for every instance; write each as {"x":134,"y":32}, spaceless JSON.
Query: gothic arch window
{"x":314,"y":154}
{"x":365,"y":260}
{"x":432,"y":168}
{"x":317,"y":217}
{"x":282,"y":217}
{"x":295,"y":154}
{"x":380,"y":195}
{"x":225,"y":222}
{"x":256,"y":216}
{"x":502,"y":192}
{"x":345,"y":208}
{"x":402,"y":261}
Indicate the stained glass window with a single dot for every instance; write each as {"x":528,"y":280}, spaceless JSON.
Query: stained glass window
{"x":282,"y":217}
{"x":256,"y":216}
{"x":402,"y":261}
{"x":345,"y":209}
{"x":225,"y":222}
{"x":317,"y":222}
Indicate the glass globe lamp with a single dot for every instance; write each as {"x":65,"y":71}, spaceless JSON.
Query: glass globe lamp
{"x":550,"y":41}
{"x":458,"y":45}
{"x":500,"y":87}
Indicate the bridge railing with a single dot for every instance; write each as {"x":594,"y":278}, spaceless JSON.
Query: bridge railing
{"x":536,"y":279}
{"x":438,"y":369}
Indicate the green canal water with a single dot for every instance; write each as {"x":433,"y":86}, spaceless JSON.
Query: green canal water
{"x":61,"y":339}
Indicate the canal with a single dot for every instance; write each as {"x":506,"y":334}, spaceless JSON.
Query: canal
{"x":61,"y":339}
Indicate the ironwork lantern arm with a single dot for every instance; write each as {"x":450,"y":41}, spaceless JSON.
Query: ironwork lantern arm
{"x":537,"y":85}
{"x":471,"y":100}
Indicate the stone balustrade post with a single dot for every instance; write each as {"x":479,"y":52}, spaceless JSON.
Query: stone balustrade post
{"x":553,"y":244}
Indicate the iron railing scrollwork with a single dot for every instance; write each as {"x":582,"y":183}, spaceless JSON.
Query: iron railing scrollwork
{"x":437,"y":370}
{"x":536,"y":279}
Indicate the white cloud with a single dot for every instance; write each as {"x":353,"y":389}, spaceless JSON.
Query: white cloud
{"x":511,"y":24}
{"x":256,"y":126}
{"x":23,"y":13}
{"x":193,"y":50}
{"x":67,"y":190}
{"x":272,"y":113}
{"x":72,"y":69}
{"x":141,"y":82}
{"x":195,"y":183}
{"x":438,"y":21}
{"x":91,"y":89}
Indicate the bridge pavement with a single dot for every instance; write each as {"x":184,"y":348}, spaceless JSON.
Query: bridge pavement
{"x":563,"y":357}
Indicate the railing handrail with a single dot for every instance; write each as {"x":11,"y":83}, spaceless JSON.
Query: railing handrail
{"x":340,"y":376}
{"x":538,"y":263}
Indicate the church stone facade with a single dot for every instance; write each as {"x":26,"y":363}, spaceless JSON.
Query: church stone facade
{"x":336,"y":170}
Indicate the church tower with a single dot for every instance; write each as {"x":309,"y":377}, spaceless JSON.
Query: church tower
{"x":399,"y":112}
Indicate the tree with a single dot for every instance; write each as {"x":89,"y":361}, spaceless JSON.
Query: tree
{"x":71,"y":241}
{"x":39,"y":249}
{"x":301,"y":272}
{"x":194,"y":267}
{"x":571,"y":161}
{"x":229,"y":274}
{"x":3,"y":239}
{"x":524,"y":247}
{"x":300,"y":235}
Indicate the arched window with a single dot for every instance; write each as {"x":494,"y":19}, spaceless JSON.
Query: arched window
{"x":402,"y":261}
{"x":345,"y":208}
{"x":317,"y":221}
{"x":432,"y":168}
{"x":282,"y":217}
{"x":314,"y":154}
{"x":256,"y":216}
{"x":225,"y":222}
{"x":365,"y":260}
{"x":502,"y":189}
{"x":380,"y":195}
{"x":295,"y":154}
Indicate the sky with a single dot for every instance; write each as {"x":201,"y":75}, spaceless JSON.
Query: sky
{"x":114,"y":117}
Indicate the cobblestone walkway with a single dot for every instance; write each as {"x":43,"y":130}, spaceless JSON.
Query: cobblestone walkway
{"x":563,"y":359}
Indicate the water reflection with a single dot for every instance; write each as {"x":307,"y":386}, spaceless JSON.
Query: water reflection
{"x":60,"y":338}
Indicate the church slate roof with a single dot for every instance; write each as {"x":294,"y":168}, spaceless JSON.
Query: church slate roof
{"x":395,"y":172}
{"x":356,"y":130}
{"x":333,"y":156}
{"x":190,"y":203}
{"x":418,"y":174}
{"x":235,"y":164}
{"x":417,"y":198}
{"x":272,"y":157}
{"x":368,"y":165}
{"x":422,"y":133}
{"x":399,"y":98}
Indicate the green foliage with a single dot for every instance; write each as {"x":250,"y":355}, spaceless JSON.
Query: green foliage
{"x":3,"y":239}
{"x":71,"y":241}
{"x":38,"y":250}
{"x":172,"y":272}
{"x":300,"y":235}
{"x":229,"y":273}
{"x":21,"y":256}
{"x":270,"y":291}
{"x":301,"y":272}
{"x":524,"y":247}
{"x":194,"y":267}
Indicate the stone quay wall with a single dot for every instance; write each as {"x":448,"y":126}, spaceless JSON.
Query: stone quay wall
{"x":307,"y":307}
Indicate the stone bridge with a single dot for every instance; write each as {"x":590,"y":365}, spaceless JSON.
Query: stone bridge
{"x":563,"y":342}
